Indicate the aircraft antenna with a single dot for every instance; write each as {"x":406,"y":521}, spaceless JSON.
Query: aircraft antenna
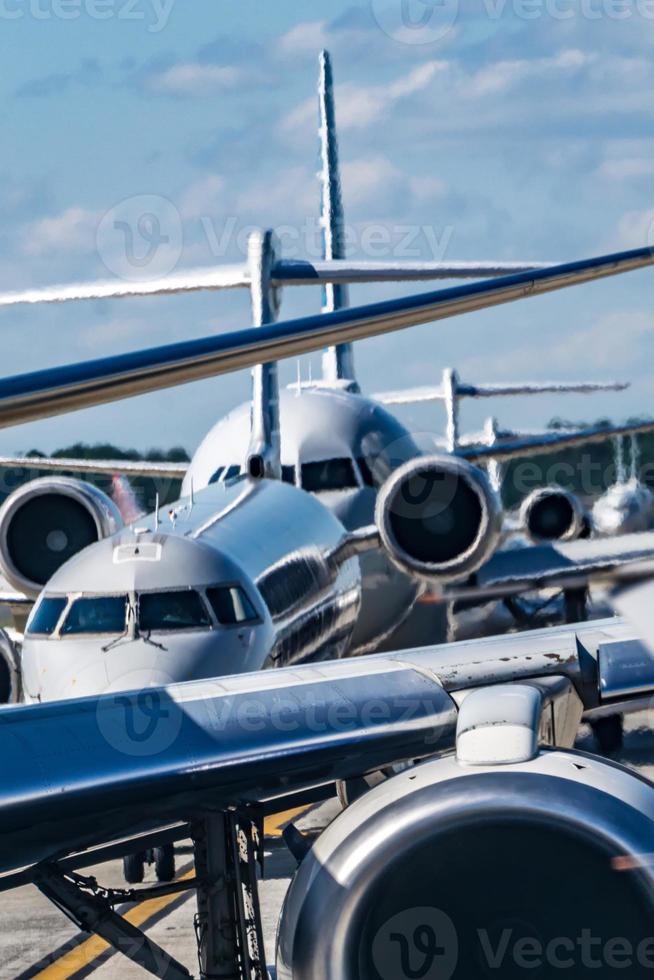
{"x":338,"y":361}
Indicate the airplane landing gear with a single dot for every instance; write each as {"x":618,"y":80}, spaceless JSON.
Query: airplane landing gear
{"x":163,"y":859}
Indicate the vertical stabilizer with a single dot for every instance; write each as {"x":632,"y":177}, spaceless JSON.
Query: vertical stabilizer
{"x":264,"y":452}
{"x":338,"y":362}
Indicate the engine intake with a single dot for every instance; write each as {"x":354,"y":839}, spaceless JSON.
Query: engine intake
{"x":450,"y":872}
{"x":46,"y":522}
{"x":439,"y":518}
{"x":554,"y":514}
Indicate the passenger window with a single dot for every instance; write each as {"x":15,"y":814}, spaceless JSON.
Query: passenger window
{"x":44,"y":618}
{"x":96,"y":614}
{"x":161,"y":611}
{"x":231,"y":605}
{"x":288,"y":474}
{"x":328,"y":474}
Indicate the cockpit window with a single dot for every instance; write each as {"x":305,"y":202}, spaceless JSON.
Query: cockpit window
{"x":44,"y":619}
{"x":328,"y":474}
{"x":161,"y":611}
{"x":96,"y":614}
{"x":366,"y":471}
{"x":288,"y":474}
{"x":231,"y":472}
{"x":231,"y":605}
{"x":217,"y":475}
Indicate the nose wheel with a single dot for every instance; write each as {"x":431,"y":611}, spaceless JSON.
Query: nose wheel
{"x":163,"y":859}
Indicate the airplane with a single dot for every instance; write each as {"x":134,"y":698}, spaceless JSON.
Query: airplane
{"x":627,"y":505}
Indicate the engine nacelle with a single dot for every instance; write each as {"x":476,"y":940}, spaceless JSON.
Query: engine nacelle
{"x":439,"y":518}
{"x":554,"y":514}
{"x":46,"y":522}
{"x":451,"y":872}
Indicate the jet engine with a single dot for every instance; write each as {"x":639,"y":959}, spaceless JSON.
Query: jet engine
{"x":46,"y":522}
{"x":452,"y":871}
{"x":439,"y":518}
{"x":554,"y":514}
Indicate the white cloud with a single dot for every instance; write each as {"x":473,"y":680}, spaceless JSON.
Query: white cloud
{"x":427,"y":188}
{"x":367,"y":179}
{"x":192,"y":79}
{"x":73,"y":230}
{"x":626,"y":168}
{"x":290,"y":195}
{"x":503,"y":75}
{"x":305,"y":38}
{"x":359,"y":106}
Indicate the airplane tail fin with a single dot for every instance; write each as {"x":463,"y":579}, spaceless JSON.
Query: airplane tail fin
{"x":338,"y":361}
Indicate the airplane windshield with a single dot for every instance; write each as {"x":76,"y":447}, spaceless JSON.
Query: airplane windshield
{"x":231,"y":605}
{"x":164,"y":611}
{"x":96,"y":614}
{"x":328,"y":474}
{"x":45,"y":617}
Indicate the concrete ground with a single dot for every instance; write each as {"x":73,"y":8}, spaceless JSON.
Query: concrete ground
{"x":33,"y":934}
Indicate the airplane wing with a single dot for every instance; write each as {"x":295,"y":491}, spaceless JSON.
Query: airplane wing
{"x":127,"y":467}
{"x":285,"y":273}
{"x":42,"y":394}
{"x":564,"y":565}
{"x":75,"y":775}
{"x":531,"y":445}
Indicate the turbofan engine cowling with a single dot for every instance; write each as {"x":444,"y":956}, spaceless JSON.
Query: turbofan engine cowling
{"x":46,"y":522}
{"x":554,"y":514}
{"x":453,"y":872}
{"x":439,"y":518}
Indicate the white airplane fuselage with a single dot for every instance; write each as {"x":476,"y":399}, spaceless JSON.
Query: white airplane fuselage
{"x":625,"y":508}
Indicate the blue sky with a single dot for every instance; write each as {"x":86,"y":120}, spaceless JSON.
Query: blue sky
{"x":500,"y":129}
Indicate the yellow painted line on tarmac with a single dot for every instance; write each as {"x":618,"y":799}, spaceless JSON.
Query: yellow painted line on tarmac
{"x":87,"y":952}
{"x":274,"y":826}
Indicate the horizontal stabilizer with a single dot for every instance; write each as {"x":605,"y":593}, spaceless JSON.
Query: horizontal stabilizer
{"x":285,"y":273}
{"x":53,"y":391}
{"x":435,"y":393}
